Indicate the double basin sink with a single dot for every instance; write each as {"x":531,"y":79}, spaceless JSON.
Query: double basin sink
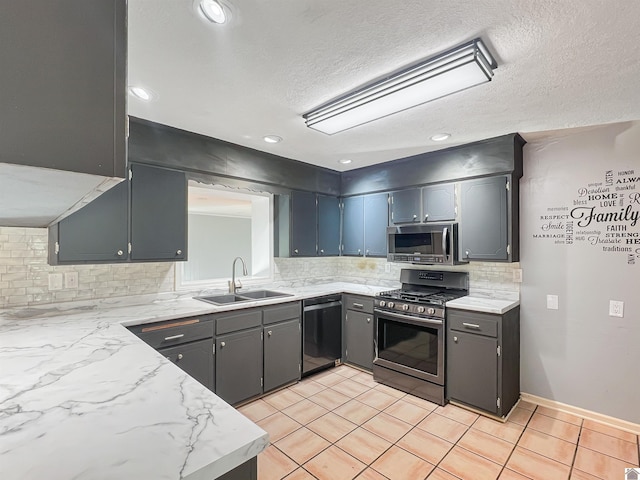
{"x":228,"y":298}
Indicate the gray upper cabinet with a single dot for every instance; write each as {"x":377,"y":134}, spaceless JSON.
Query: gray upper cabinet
{"x":158,"y":214}
{"x":484,"y":219}
{"x":439,"y":202}
{"x":405,"y":206}
{"x":328,"y":225}
{"x":304,"y":221}
{"x":353,"y":225}
{"x":96,"y":233}
{"x":63,"y":82}
{"x":149,"y":212}
{"x":376,"y":219}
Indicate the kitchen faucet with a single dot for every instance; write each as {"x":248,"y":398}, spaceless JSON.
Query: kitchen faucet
{"x":233,"y":286}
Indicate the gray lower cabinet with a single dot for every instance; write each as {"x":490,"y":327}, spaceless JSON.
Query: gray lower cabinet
{"x":247,"y":471}
{"x":281,"y":353}
{"x":195,"y":358}
{"x":359,"y":331}
{"x":239,"y":365}
{"x":484,"y":229}
{"x":483,"y":359}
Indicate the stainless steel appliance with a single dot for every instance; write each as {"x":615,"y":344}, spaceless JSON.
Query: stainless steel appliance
{"x":410,"y":331}
{"x":425,"y":243}
{"x":321,"y":333}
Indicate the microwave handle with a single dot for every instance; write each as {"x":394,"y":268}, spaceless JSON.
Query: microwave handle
{"x":445,"y":241}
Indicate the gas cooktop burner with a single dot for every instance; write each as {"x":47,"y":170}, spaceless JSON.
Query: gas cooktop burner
{"x":431,"y":297}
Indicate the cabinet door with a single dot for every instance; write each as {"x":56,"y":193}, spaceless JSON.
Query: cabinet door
{"x":405,"y":206}
{"x":438,"y":203}
{"x":195,"y":358}
{"x":95,"y":233}
{"x":359,"y":338}
{"x":376,"y":218}
{"x":304,"y":223}
{"x":328,"y":225}
{"x":63,"y":101}
{"x":239,"y":365}
{"x":472,"y":370}
{"x":282,"y":352}
{"x":483,"y":223}
{"x":353,"y":226}
{"x":158,"y":213}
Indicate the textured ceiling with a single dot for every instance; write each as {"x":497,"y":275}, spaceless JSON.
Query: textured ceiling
{"x":561,"y":64}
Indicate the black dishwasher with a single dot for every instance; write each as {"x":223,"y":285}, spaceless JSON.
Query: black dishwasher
{"x":321,"y":333}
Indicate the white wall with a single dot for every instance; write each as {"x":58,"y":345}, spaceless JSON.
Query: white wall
{"x":578,"y":354}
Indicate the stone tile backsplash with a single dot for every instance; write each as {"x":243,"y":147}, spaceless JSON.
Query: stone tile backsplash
{"x":24,"y":273}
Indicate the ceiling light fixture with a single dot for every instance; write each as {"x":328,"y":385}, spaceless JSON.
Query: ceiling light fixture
{"x":272,"y":139}
{"x":465,"y":66}
{"x":344,"y":161}
{"x":140,"y":93}
{"x":440,"y":137}
{"x":213,"y":11}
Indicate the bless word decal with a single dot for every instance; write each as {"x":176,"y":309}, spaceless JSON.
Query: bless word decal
{"x":603,"y":214}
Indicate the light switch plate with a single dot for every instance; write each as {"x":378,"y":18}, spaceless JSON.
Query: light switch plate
{"x":55,"y":281}
{"x":552,"y":302}
{"x":71,"y":280}
{"x":616,"y":308}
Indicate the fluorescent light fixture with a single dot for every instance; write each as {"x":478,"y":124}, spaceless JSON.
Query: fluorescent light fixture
{"x":463,"y":67}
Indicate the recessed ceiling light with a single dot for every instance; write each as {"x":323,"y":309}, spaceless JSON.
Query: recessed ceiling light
{"x":141,"y":93}
{"x":213,"y":11}
{"x":440,"y":137}
{"x":272,"y":139}
{"x":344,"y":161}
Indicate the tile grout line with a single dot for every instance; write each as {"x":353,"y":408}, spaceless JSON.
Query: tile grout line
{"x":515,"y":445}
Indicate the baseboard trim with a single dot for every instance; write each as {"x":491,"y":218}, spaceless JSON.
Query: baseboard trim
{"x":581,"y":412}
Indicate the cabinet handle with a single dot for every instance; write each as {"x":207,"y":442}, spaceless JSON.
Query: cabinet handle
{"x":359,"y":251}
{"x":358,"y":305}
{"x":120,"y":253}
{"x":179,"y":252}
{"x":455,"y":339}
{"x":368,"y":320}
{"x":415,"y":216}
{"x":180,"y":356}
{"x":169,"y":358}
{"x":173,"y":337}
{"x":367,"y":252}
{"x":222,"y":344}
{"x":426,"y":217}
{"x":466,"y":252}
{"x":269,"y":333}
{"x":471,"y":325}
{"x":295,"y":251}
{"x":321,"y":252}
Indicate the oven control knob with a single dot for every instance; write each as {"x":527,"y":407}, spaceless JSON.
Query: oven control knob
{"x":420,"y":309}
{"x":431,"y":311}
{"x":382,"y":303}
{"x":405,"y":307}
{"x":390,"y":304}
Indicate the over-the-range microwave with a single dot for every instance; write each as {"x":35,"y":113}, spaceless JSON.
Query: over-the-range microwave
{"x":424,"y":243}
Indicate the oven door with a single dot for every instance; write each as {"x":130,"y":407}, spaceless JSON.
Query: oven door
{"x":410,"y":345}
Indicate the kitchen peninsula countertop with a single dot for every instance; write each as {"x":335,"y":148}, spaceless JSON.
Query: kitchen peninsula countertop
{"x":484,"y":304}
{"x":83,"y":398}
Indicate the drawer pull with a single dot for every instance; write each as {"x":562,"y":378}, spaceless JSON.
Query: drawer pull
{"x":269,"y":333}
{"x":169,"y":325}
{"x":173,"y":337}
{"x":180,"y":356}
{"x":358,"y":305}
{"x":368,"y":320}
{"x":222,"y":344}
{"x":471,"y":325}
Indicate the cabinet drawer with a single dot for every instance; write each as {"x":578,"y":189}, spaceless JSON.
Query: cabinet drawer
{"x":472,"y":322}
{"x":238,"y":320}
{"x":363,"y":304}
{"x":174,"y":332}
{"x":280,"y":313}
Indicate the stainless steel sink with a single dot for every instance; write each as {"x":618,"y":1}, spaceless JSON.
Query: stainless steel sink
{"x":228,"y":298}
{"x":257,"y":294}
{"x":222,"y":299}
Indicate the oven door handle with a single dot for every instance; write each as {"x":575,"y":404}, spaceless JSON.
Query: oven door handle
{"x":411,"y":319}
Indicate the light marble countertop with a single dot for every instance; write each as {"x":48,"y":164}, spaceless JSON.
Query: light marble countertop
{"x":483,"y":304}
{"x":82,"y":398}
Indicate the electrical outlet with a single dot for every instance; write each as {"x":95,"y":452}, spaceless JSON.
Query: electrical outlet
{"x":616,"y":308}
{"x":517,"y":275}
{"x":552,"y":302}
{"x":387,"y":267}
{"x":55,"y":281}
{"x":71,"y":280}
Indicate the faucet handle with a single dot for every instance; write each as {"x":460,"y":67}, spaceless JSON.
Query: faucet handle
{"x":238,"y":284}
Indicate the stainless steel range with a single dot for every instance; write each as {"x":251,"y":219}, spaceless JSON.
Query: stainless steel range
{"x":410,"y":330}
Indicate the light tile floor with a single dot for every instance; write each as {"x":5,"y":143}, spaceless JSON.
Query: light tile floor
{"x":340,"y":424}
